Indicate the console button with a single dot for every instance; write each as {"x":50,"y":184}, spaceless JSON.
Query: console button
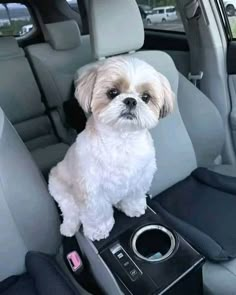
{"x":120,"y":255}
{"x":134,"y":274}
{"x":132,"y":271}
{"x":126,"y":262}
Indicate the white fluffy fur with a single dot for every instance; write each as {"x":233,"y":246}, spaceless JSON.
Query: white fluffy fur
{"x":112,"y":162}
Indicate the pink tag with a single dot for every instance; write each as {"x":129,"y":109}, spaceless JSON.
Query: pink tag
{"x":74,"y":260}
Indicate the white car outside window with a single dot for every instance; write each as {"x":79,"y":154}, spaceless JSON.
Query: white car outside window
{"x":162,"y":14}
{"x":25,"y":29}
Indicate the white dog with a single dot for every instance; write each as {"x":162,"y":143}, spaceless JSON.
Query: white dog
{"x":112,"y":162}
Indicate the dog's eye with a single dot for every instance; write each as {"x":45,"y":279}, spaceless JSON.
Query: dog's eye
{"x":146,"y":97}
{"x":112,"y":93}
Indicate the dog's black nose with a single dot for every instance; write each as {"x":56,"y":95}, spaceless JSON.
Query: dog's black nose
{"x":130,"y":102}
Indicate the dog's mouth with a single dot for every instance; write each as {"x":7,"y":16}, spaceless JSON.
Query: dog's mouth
{"x":128,"y":115}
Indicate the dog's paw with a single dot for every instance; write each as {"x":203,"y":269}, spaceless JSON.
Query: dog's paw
{"x":137,"y":212}
{"x":133,"y":208}
{"x":67,"y":230}
{"x":100,"y":231}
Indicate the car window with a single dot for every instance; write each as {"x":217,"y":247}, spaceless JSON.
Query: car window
{"x":73,"y":4}
{"x":160,"y":15}
{"x":15,"y":20}
{"x":230,"y":8}
{"x":170,"y":10}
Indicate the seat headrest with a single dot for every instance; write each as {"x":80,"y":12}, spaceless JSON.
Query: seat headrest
{"x":63,"y":35}
{"x":115,"y":27}
{"x":9,"y":48}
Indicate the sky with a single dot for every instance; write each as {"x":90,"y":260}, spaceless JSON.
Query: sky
{"x":12,"y":5}
{"x":15,"y":5}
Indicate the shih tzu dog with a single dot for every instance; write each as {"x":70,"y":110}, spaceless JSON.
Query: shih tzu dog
{"x":112,"y":162}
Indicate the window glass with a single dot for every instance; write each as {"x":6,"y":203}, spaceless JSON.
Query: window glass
{"x":15,"y":20}
{"x":230,"y":7}
{"x":73,"y":4}
{"x":160,"y":15}
{"x":171,"y":9}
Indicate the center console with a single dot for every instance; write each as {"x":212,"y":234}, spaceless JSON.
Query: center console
{"x":144,"y":256}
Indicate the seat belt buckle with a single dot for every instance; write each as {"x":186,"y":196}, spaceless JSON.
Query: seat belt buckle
{"x":195,"y":78}
{"x":75,"y":262}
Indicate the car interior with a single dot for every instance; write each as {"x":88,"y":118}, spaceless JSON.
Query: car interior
{"x":185,"y":243}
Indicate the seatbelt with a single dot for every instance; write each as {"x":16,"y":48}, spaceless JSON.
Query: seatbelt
{"x":193,"y":13}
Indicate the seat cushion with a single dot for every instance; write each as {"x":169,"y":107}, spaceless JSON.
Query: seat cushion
{"x":202,"y":121}
{"x":49,"y":156}
{"x":43,"y":277}
{"x":28,"y":215}
{"x":196,"y":207}
{"x":219,"y":277}
{"x":20,"y":97}
{"x":18,"y":285}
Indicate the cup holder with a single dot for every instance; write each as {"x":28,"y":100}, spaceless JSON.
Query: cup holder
{"x":153,"y":243}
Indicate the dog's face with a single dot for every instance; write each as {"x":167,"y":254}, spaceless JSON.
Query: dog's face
{"x":124,"y":92}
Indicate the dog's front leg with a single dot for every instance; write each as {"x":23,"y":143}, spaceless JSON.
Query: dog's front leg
{"x":63,"y":195}
{"x":97,"y":218}
{"x":70,"y":213}
{"x":133,"y":205}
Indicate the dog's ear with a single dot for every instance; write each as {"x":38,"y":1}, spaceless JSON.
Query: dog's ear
{"x":169,"y":97}
{"x":84,"y":84}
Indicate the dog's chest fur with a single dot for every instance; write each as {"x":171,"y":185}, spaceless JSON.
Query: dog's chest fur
{"x":115,"y":163}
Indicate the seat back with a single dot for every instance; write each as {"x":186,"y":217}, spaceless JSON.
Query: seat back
{"x":56,"y":61}
{"x":177,"y":149}
{"x":20,"y":97}
{"x":28,"y":216}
